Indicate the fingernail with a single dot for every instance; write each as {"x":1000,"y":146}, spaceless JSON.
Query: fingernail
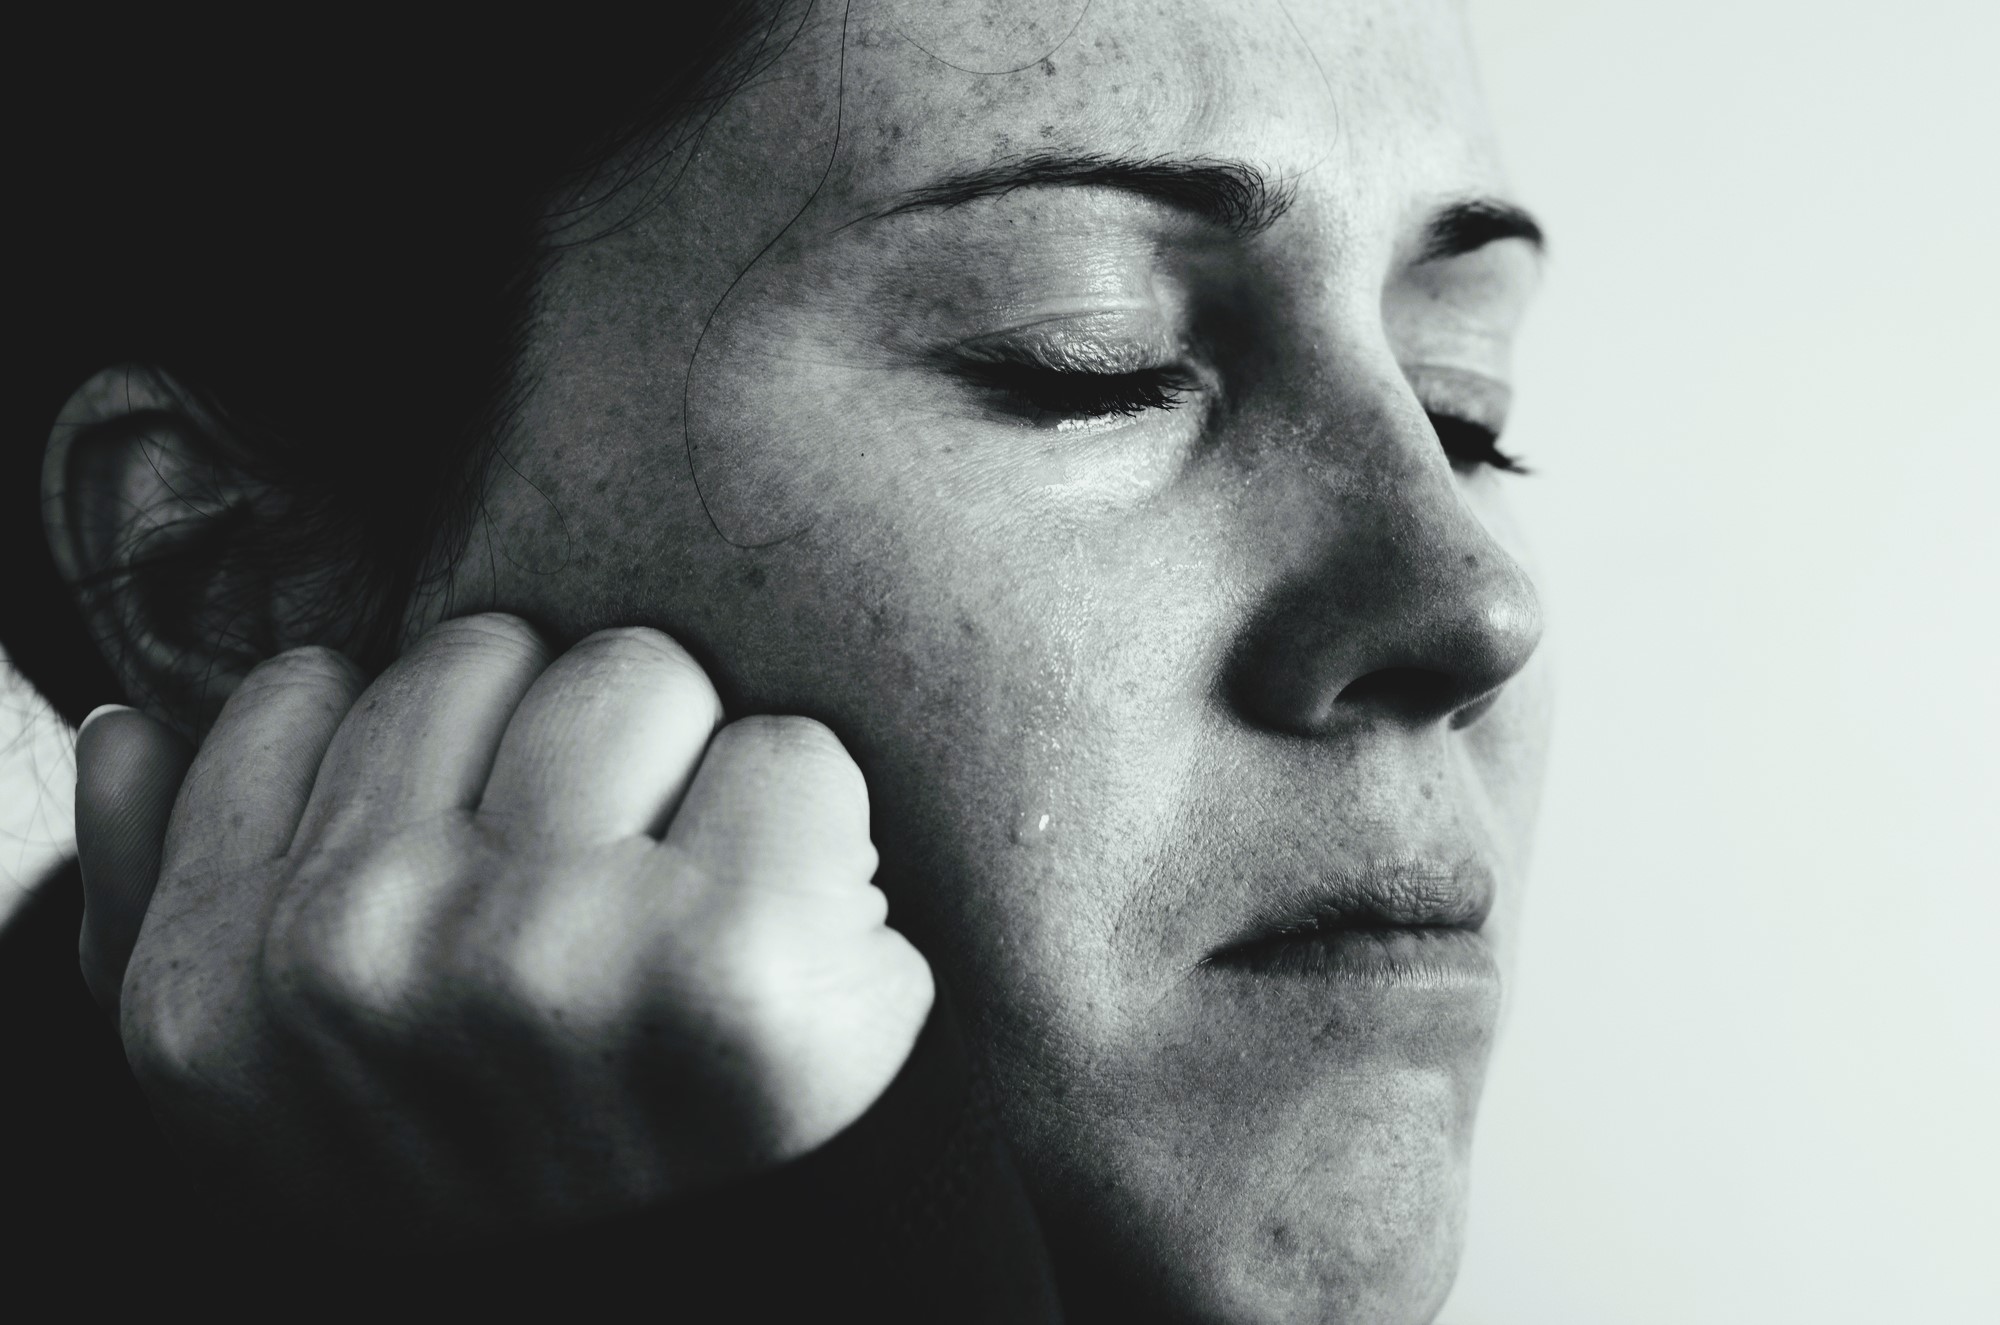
{"x":97,"y":713}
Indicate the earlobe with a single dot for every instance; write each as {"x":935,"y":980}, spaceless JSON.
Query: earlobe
{"x":137,"y":497}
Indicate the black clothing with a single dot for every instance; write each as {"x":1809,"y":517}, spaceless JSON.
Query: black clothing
{"x":913,"y":1213}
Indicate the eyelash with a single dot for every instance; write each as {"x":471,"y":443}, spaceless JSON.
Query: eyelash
{"x":1471,"y":444}
{"x":1068,"y":394}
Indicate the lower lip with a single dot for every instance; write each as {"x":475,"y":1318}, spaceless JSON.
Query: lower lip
{"x":1405,"y":957}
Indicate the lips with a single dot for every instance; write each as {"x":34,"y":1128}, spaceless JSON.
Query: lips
{"x":1399,"y":922}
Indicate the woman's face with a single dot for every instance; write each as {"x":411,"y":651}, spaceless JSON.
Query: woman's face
{"x":1037,"y":394}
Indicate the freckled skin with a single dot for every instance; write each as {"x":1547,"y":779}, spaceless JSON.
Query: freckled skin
{"x":1094,"y":677}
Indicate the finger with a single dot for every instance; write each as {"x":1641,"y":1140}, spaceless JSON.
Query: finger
{"x":128,"y":771}
{"x":420,"y":742}
{"x":249,"y":781}
{"x":777,"y":802}
{"x":605,"y":741}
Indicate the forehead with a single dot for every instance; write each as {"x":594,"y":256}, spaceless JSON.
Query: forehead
{"x":1359,"y":103}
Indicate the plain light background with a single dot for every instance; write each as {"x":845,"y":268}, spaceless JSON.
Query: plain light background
{"x":1750,"y":1069}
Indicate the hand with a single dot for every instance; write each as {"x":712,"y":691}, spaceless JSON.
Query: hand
{"x":494,"y":941}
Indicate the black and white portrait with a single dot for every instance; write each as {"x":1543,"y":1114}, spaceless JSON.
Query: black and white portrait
{"x":1232,"y":661}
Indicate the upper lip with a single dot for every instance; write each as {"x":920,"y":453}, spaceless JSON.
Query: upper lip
{"x":1412,"y":893}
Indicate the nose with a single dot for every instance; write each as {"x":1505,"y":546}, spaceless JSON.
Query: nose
{"x":1394,"y":601}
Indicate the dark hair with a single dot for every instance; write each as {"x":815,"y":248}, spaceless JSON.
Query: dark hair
{"x":331,"y":244}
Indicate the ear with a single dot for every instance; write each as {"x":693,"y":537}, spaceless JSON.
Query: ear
{"x":145,"y":510}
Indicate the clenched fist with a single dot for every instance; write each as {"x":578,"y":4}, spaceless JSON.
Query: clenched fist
{"x":494,"y":942}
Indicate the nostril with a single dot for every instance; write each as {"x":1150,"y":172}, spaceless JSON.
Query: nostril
{"x":1414,"y":694}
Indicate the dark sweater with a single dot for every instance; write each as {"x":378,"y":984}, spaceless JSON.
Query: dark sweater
{"x":913,"y":1213}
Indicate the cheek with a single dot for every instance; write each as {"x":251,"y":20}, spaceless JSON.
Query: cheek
{"x":1029,"y":742}
{"x":1021,"y":672}
{"x":1018,"y":666}
{"x":760,"y":450}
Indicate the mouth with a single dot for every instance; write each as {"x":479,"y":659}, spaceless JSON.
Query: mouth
{"x":1409,"y":924}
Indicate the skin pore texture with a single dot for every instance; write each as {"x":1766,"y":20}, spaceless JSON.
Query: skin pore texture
{"x":1066,"y":403}
{"x":1100,"y":674}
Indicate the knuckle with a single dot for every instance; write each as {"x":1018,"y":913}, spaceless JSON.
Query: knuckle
{"x":351,"y":951}
{"x":907,"y":976}
{"x":771,"y":992}
{"x":558,"y":988}
{"x":868,"y":904}
{"x":538,"y":965}
{"x":749,"y":970}
{"x":169,"y":1038}
{"x":147,"y":1047}
{"x":575,"y":960}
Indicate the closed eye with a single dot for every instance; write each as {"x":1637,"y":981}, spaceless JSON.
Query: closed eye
{"x":1066,"y":396}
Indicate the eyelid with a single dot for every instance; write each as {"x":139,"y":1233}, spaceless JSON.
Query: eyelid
{"x":1101,"y":342}
{"x":1461,"y":393}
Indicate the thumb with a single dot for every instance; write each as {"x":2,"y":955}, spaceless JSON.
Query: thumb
{"x":128,"y":771}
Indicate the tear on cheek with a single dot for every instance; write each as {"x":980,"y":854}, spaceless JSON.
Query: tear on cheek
{"x":1034,"y":827}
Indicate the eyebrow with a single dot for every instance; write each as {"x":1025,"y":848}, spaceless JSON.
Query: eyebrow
{"x":1232,"y":195}
{"x":1463,"y":227}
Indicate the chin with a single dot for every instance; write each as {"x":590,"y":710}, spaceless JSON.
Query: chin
{"x":1352,"y":1212}
{"x":1357,"y":1275}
